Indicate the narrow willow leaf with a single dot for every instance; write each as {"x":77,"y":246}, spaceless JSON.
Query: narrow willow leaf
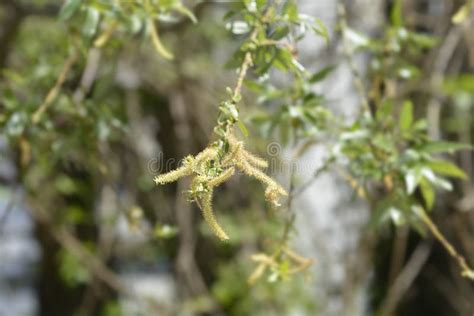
{"x":406,"y":116}
{"x":428,"y":193}
{"x":442,"y":184}
{"x":280,"y":32}
{"x":157,"y":42}
{"x":323,"y":73}
{"x":396,"y":14}
{"x":321,"y":30}
{"x":69,"y":8}
{"x":461,"y":14}
{"x":89,"y":27}
{"x":412,"y":179}
{"x":243,"y":128}
{"x":442,"y":146}
{"x":446,"y":168}
{"x":185,"y":11}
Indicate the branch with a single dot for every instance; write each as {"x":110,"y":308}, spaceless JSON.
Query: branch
{"x":467,"y":271}
{"x":244,"y":67}
{"x":53,"y":93}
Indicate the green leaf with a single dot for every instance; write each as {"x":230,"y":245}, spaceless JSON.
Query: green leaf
{"x":155,"y":38}
{"x":280,"y":32}
{"x":397,"y":216}
{"x":321,"y":30}
{"x":406,"y":116}
{"x":92,"y":21}
{"x":446,"y":168}
{"x":323,"y":73}
{"x":412,"y":179}
{"x":385,"y":110}
{"x":428,"y":193}
{"x":462,"y":13}
{"x":290,"y":11}
{"x":442,"y":184}
{"x":423,"y":40}
{"x":69,"y":8}
{"x":396,"y":15}
{"x":442,"y":146}
{"x":243,"y":128}
{"x":460,"y":83}
{"x":284,"y":60}
{"x":185,"y":11}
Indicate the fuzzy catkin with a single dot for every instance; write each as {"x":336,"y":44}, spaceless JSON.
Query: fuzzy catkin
{"x":273,"y":192}
{"x":174,"y":175}
{"x":208,"y":215}
{"x":254,"y":160}
{"x":224,"y":176}
{"x":204,"y":165}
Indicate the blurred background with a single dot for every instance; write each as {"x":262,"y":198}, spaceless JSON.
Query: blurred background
{"x":84,"y":230}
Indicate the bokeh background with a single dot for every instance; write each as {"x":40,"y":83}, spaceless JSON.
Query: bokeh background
{"x":85,"y":231}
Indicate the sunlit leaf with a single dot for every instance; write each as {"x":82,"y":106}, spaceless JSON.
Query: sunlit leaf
{"x":428,"y":193}
{"x":462,"y":13}
{"x":443,"y":146}
{"x":185,"y":11}
{"x":396,"y":15}
{"x":89,"y":27}
{"x":446,"y":168}
{"x":397,"y":216}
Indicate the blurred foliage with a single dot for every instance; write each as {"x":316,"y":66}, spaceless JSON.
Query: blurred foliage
{"x":73,"y":129}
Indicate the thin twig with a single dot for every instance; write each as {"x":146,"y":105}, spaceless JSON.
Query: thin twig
{"x":244,"y":67}
{"x":348,"y":53}
{"x":467,"y":271}
{"x":53,"y":93}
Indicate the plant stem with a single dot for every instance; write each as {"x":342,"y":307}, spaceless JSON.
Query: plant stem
{"x":53,"y":93}
{"x":467,"y":272}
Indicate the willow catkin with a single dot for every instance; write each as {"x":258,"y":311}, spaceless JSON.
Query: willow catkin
{"x":273,"y":191}
{"x":254,"y":160}
{"x":205,"y":164}
{"x":209,"y":217}
{"x":174,"y":175}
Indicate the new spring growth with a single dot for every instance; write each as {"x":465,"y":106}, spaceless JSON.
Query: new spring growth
{"x":214,"y":166}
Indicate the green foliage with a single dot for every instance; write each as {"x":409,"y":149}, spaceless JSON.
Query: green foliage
{"x":71,"y":270}
{"x":60,"y":127}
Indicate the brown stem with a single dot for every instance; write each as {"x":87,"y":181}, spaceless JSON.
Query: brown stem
{"x":467,"y":272}
{"x":244,"y":67}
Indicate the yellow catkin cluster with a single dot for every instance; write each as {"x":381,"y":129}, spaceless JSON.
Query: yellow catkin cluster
{"x":204,"y":182}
